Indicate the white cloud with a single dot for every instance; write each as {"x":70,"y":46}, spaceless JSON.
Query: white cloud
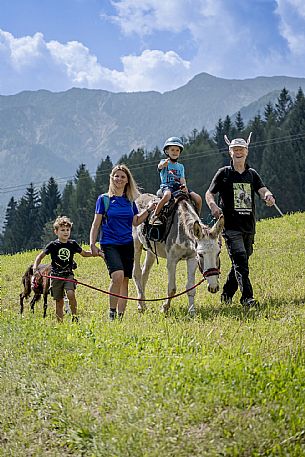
{"x":152,"y":70}
{"x":229,"y":41}
{"x":72,"y":64}
{"x":292,"y":24}
{"x":80,"y":66}
{"x":23,"y":51}
{"x":224,"y":41}
{"x":144,"y":17}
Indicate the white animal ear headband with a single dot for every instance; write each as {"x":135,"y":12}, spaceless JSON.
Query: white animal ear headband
{"x":238,"y":141}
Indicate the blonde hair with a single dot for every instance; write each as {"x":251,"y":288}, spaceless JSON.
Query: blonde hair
{"x":131,"y":189}
{"x":61,"y":221}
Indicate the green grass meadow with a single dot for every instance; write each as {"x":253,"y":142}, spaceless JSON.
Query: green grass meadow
{"x":229,"y":382}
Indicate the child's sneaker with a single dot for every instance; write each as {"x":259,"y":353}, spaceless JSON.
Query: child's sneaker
{"x":154,"y":220}
{"x":112,"y":314}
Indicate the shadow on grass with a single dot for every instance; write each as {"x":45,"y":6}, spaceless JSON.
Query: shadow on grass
{"x":235,"y":311}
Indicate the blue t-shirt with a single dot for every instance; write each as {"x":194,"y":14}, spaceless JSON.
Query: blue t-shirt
{"x":117,"y":226}
{"x":171,"y":174}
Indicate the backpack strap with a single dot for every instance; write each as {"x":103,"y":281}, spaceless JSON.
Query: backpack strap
{"x":106,"y":201}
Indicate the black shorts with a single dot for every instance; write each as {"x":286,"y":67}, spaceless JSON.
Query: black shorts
{"x":119,"y":257}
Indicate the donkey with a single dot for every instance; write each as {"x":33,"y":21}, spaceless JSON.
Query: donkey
{"x":40,"y":286}
{"x":188,"y":239}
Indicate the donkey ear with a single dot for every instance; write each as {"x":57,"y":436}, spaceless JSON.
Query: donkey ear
{"x":217,"y":227}
{"x":197,"y":230}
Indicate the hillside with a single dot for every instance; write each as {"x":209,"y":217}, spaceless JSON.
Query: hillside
{"x":45,"y":134}
{"x":229,"y":382}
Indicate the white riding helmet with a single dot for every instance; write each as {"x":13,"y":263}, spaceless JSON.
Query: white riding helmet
{"x":173,"y":141}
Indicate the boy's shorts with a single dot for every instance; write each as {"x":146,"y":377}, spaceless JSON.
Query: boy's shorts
{"x":58,"y":287}
{"x":119,"y":257}
{"x":173,"y":188}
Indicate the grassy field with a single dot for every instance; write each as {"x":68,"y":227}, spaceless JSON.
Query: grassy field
{"x":230,"y":382}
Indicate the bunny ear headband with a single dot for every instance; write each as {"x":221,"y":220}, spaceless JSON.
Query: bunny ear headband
{"x":238,"y":141}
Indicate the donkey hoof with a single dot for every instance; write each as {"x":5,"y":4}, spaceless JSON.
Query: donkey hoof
{"x":164,"y":309}
{"x":142,"y":307}
{"x":192,"y":311}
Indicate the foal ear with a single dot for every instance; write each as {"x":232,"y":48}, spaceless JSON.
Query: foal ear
{"x":197,"y":230}
{"x":217,"y":227}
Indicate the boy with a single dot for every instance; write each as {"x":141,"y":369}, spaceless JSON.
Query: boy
{"x":172,"y":176}
{"x":236,"y":185}
{"x":62,"y":251}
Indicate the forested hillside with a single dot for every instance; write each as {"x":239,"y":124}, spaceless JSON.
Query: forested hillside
{"x":46,"y":134}
{"x":277,"y":151}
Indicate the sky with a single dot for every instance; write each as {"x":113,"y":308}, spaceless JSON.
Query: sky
{"x":143,"y":45}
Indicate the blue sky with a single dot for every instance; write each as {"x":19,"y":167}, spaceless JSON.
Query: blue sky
{"x":140,"y":45}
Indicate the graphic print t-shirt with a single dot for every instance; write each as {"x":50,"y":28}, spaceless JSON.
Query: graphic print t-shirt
{"x":171,"y":174}
{"x":236,"y":192}
{"x":62,"y":256}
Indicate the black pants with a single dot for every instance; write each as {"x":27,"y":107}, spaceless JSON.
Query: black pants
{"x":240,"y":247}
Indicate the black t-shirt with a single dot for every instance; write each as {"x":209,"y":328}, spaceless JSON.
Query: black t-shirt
{"x":62,"y":256}
{"x":236,"y":192}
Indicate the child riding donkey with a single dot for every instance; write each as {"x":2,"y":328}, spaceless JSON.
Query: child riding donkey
{"x":172,"y":177}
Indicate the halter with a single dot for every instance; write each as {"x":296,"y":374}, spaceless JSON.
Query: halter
{"x":209,"y":272}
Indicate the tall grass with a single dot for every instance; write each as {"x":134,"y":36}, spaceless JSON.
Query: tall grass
{"x":229,"y":382}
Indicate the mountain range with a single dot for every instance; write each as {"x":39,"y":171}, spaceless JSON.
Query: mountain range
{"x":45,"y":134}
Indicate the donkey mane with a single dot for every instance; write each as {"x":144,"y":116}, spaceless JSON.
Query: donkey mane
{"x":188,"y":216}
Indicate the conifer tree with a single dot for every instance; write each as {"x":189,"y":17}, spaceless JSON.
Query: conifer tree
{"x":257,"y":127}
{"x":9,"y":238}
{"x":103,"y":171}
{"x":50,"y":200}
{"x":85,"y":204}
{"x":283,"y":105}
{"x":67,"y":206}
{"x":270,"y":114}
{"x":296,"y":126}
{"x":239,"y":123}
{"x":28,"y":224}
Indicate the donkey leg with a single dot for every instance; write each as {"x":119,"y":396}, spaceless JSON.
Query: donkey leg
{"x":137,"y":274}
{"x":33,"y":301}
{"x":191,"y":270}
{"x":21,"y":300}
{"x":171,"y":288}
{"x":148,"y":263}
{"x":45,"y":305}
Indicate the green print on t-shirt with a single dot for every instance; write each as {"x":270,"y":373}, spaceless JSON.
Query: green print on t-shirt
{"x":242,"y":198}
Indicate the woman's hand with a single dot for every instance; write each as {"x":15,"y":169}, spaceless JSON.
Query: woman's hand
{"x":94,"y":250}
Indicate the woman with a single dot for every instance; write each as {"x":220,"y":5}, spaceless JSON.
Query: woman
{"x":116,"y":234}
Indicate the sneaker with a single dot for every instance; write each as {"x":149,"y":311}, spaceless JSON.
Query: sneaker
{"x":250,"y":302}
{"x":112,"y":314}
{"x":226,"y":299}
{"x":120,"y":316}
{"x":154,"y":220}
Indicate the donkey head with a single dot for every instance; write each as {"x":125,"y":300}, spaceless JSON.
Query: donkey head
{"x":208,"y":246}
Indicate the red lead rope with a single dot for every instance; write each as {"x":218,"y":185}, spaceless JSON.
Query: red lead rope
{"x":122,"y":296}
